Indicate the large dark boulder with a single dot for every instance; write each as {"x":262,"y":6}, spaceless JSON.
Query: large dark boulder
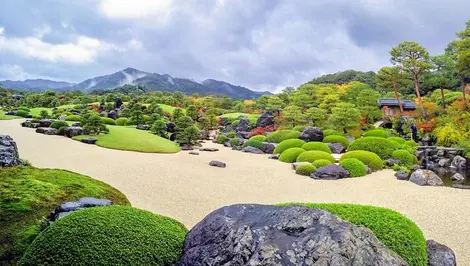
{"x":171,"y":127}
{"x":45,"y":122}
{"x":426,"y":178}
{"x":312,"y":134}
{"x":265,"y":120}
{"x":73,"y":131}
{"x":272,"y":235}
{"x":11,"y":113}
{"x":113,"y":114}
{"x":243,"y":126}
{"x":330,"y":172}
{"x":47,"y":130}
{"x":9,"y":155}
{"x":440,"y":255}
{"x":269,"y":147}
{"x":27,"y":123}
{"x":336,"y":147}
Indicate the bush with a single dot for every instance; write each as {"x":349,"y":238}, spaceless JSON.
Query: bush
{"x":287,"y":144}
{"x":299,"y":128}
{"x":401,"y":141}
{"x":316,"y":146}
{"x":111,"y":235}
{"x":108,"y":121}
{"x":380,"y":146}
{"x":234,"y":142}
{"x":329,"y":132}
{"x":355,"y":167}
{"x":406,"y":159}
{"x":258,"y":138}
{"x":305,"y":169}
{"x":281,"y":135}
{"x":311,"y":156}
{"x":254,"y":143}
{"x":380,"y":133}
{"x":290,"y":155}
{"x":24,"y":108}
{"x":321,"y":163}
{"x":129,"y":123}
{"x":336,"y":139}
{"x":121,"y":121}
{"x":235,"y":123}
{"x":221,"y":139}
{"x":411,"y":143}
{"x":22,"y":113}
{"x":368,"y":158}
{"x":73,"y":118}
{"x":59,"y":124}
{"x":231,"y":134}
{"x":61,"y":130}
{"x":393,"y":229}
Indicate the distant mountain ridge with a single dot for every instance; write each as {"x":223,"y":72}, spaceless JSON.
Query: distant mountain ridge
{"x":151,"y":81}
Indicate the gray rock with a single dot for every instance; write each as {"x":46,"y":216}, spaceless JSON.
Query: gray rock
{"x":440,"y":255}
{"x":460,"y":186}
{"x":11,"y":113}
{"x":296,"y":165}
{"x":336,"y":147}
{"x":227,"y":144}
{"x":47,"y":130}
{"x":402,"y":175}
{"x":459,"y":162}
{"x":217,"y":164}
{"x":391,"y":162}
{"x":415,"y":167}
{"x":274,"y":157}
{"x":419,"y":154}
{"x":143,"y":127}
{"x":205,"y":134}
{"x":441,"y":153}
{"x":243,"y":126}
{"x":350,"y":138}
{"x":243,"y":134}
{"x":266,"y":119}
{"x":27,"y":123}
{"x":113,"y":114}
{"x":69,"y":207}
{"x":62,"y":117}
{"x":368,"y":170}
{"x":73,"y":131}
{"x":89,"y":140}
{"x":76,"y":124}
{"x":457,"y":177}
{"x":194,"y":153}
{"x":45,"y":122}
{"x":312,"y":134}
{"x":444,"y":162}
{"x":209,"y":149}
{"x":426,"y":178}
{"x":330,"y":172}
{"x":269,"y":147}
{"x":9,"y":155}
{"x":272,"y":235}
{"x":187,"y":148}
{"x":254,"y":150}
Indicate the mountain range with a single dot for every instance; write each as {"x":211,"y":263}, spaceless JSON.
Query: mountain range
{"x":151,"y":81}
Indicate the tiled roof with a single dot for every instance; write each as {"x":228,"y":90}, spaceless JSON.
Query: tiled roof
{"x":407,"y":104}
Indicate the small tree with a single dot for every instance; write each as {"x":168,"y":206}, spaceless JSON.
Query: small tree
{"x":392,"y":77}
{"x":345,"y":116}
{"x":137,"y":115}
{"x":189,"y":135}
{"x":184,"y":122}
{"x":108,"y":107}
{"x":192,"y":112}
{"x":44,"y":114}
{"x":316,"y":116}
{"x":159,"y":128}
{"x":94,"y":125}
{"x":463,"y":58}
{"x":293,"y":114}
{"x":177,"y":113}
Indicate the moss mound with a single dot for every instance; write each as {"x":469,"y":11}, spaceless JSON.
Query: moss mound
{"x":355,"y":167}
{"x":380,"y":133}
{"x":368,"y":158}
{"x":254,"y":143}
{"x":336,"y":139}
{"x":329,"y":132}
{"x":321,"y":163}
{"x":400,"y":141}
{"x":287,"y":144}
{"x":305,"y":169}
{"x":290,"y":155}
{"x":73,"y":118}
{"x":108,"y":121}
{"x":121,"y":121}
{"x":28,"y":194}
{"x":316,"y":146}
{"x":280,"y":135}
{"x":59,"y":124}
{"x":406,"y":159}
{"x":112,"y":235}
{"x":311,"y":156}
{"x":259,"y":138}
{"x":393,"y":229}
{"x":234,"y":142}
{"x":380,"y":146}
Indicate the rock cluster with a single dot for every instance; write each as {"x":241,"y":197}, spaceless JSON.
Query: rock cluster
{"x":9,"y":155}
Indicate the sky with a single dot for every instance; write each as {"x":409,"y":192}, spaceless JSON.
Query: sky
{"x":260,"y":44}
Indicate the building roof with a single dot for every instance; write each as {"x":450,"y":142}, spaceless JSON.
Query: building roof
{"x":391,"y":102}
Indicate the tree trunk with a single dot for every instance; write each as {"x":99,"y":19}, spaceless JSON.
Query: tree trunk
{"x":443,"y":99}
{"x":395,"y":89}
{"x":415,"y":77}
{"x":464,"y":89}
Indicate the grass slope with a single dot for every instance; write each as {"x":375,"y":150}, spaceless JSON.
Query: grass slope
{"x":7,"y":117}
{"x":131,"y":139}
{"x":235,"y":115}
{"x":36,"y":111}
{"x":28,"y":194}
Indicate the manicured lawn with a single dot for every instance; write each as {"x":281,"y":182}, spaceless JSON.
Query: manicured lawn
{"x":37,"y":111}
{"x":131,"y":139}
{"x":235,"y":115}
{"x":7,"y":117}
{"x":169,"y":108}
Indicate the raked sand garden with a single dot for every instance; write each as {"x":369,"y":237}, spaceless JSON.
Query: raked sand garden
{"x":185,"y":187}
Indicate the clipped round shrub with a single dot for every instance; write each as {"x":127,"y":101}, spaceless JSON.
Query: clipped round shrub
{"x":355,"y":167}
{"x":321,"y":163}
{"x":22,"y":113}
{"x":108,"y":121}
{"x":406,"y":159}
{"x":401,"y":141}
{"x":129,"y":123}
{"x":380,"y":146}
{"x":395,"y":144}
{"x":380,"y":133}
{"x":393,"y":229}
{"x":316,"y":146}
{"x":299,"y":128}
{"x":336,"y":139}
{"x":59,"y":124}
{"x":411,"y":143}
{"x":231,"y":134}
{"x":287,"y":144}
{"x":281,"y":135}
{"x":61,"y":130}
{"x":368,"y":158}
{"x":111,"y":235}
{"x":221,"y":139}
{"x":234,"y":142}
{"x":73,"y":118}
{"x":311,"y":156}
{"x":290,"y":155}
{"x":254,"y":143}
{"x":259,"y":138}
{"x":329,"y":132}
{"x":305,"y":169}
{"x":121,"y":121}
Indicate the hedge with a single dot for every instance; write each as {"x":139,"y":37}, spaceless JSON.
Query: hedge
{"x":321,"y":163}
{"x":329,"y":132}
{"x":376,"y":133}
{"x":254,"y":143}
{"x":259,"y":138}
{"x":406,"y":159}
{"x":290,"y":155}
{"x":305,"y":169}
{"x":316,"y":146}
{"x":108,"y":121}
{"x":393,"y":229}
{"x":111,"y":235}
{"x":121,"y":121}
{"x":368,"y":158}
{"x":355,"y":167}
{"x":287,"y":144}
{"x":73,"y":118}
{"x":380,"y":146}
{"x":311,"y":156}
{"x":336,"y":139}
{"x":280,"y":135}
{"x":59,"y":124}
{"x":401,"y":141}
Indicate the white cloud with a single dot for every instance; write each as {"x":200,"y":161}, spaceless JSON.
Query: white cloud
{"x":136,"y":9}
{"x":42,"y":31}
{"x":13,"y":72}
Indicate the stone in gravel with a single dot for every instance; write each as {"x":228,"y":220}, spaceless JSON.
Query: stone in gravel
{"x":330,"y":172}
{"x":426,"y":178}
{"x":186,"y":148}
{"x":209,"y":149}
{"x":249,"y":234}
{"x":402,"y":175}
{"x":218,"y":164}
{"x":457,"y":177}
{"x":253,"y":150}
{"x":368,"y":170}
{"x":440,"y":255}
{"x":391,"y":162}
{"x":269,"y":147}
{"x":47,"y":130}
{"x":194,"y":153}
{"x":274,"y":156}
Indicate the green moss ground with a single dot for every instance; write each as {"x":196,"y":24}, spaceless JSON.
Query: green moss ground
{"x":7,"y":117}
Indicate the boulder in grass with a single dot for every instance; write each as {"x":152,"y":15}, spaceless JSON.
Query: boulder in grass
{"x":143,"y":127}
{"x":457,"y":177}
{"x":69,"y":207}
{"x":89,"y":140}
{"x":265,"y":120}
{"x":9,"y":155}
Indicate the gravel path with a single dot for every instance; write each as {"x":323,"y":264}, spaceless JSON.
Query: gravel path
{"x":185,"y":187}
